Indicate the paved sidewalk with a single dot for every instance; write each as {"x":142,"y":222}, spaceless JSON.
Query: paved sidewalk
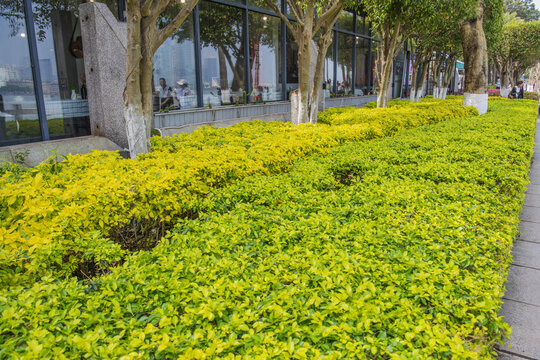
{"x":521,"y":307}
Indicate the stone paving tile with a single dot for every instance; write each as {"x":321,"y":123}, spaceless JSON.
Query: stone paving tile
{"x":533,"y":189}
{"x":525,"y":338}
{"x":532,"y":200}
{"x":534,"y":178}
{"x":523,"y":285}
{"x":529,"y":231}
{"x":526,"y":254}
{"x":504,"y":356}
{"x":529,"y":213}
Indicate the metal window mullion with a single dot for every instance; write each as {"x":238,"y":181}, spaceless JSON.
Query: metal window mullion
{"x":369,"y":67}
{"x":283,"y":53}
{"x":334,"y":80}
{"x":354,"y":66}
{"x":197,"y":46}
{"x":246,"y":54}
{"x":36,"y":75}
{"x":369,"y":58}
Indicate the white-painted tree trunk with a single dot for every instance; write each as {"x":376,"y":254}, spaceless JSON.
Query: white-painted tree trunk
{"x":505,"y":91}
{"x":136,"y":130}
{"x":420,"y":93}
{"x":412,"y":96}
{"x":479,"y":101}
{"x":436,"y":92}
{"x":443,"y":93}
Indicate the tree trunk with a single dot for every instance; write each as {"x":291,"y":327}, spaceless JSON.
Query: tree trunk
{"x":438,"y":67}
{"x":385,"y":60}
{"x":412,"y":95}
{"x":304,"y":58}
{"x":421,"y":88}
{"x":135,"y":112}
{"x":447,"y":77}
{"x":476,"y":61}
{"x":416,"y":76}
{"x":322,"y":46}
{"x":505,"y":82}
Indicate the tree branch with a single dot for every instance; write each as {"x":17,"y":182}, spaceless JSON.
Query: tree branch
{"x":145,"y":7}
{"x":298,"y":14}
{"x":330,"y":15}
{"x":283,"y":17}
{"x":168,"y":30}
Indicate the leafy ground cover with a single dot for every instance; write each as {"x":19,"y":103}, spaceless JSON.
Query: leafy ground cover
{"x":395,"y":248}
{"x":85,"y":214}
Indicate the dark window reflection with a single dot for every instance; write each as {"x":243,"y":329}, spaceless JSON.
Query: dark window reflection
{"x":263,"y":5}
{"x":18,"y":112}
{"x":63,"y":81}
{"x":264,"y":45}
{"x":222,"y":54}
{"x":362,"y":60}
{"x":362,"y":25}
{"x":292,"y":64}
{"x":345,"y":21}
{"x":328,"y":78}
{"x":345,"y":63}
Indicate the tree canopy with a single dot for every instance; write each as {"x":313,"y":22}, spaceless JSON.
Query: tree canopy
{"x":524,"y":9}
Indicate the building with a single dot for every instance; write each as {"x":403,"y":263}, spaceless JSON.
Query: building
{"x":226,"y":53}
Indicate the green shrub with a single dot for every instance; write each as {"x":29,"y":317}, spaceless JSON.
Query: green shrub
{"x":396,"y":248}
{"x":531,"y":95}
{"x":399,"y":113}
{"x":54,"y":215}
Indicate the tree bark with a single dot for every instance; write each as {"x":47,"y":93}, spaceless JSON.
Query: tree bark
{"x":450,"y":66}
{"x":390,"y":43}
{"x":420,"y":93}
{"x":304,"y":60}
{"x":134,"y":111}
{"x":144,"y":38}
{"x":476,"y":60}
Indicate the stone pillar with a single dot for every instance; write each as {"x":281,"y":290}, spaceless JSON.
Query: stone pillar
{"x":104,"y":45}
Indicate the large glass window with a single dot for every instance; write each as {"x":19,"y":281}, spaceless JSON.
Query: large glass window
{"x":18,"y":111}
{"x":264,"y":45}
{"x":61,"y":63}
{"x":362,"y":61}
{"x":174,"y":71}
{"x":292,"y":64}
{"x":222,"y":54}
{"x":263,"y":5}
{"x":345,"y":21}
{"x":362,"y":25}
{"x":328,"y":85}
{"x":345,"y":64}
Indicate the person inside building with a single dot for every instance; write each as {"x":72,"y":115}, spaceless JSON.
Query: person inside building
{"x":517,"y":91}
{"x":183,"y":92}
{"x":165,"y":94}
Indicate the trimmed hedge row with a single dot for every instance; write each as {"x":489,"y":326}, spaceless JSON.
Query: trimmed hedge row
{"x":83,"y":215}
{"x":396,"y":248}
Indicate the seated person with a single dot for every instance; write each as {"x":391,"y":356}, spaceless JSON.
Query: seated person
{"x":165,"y":94}
{"x":183,"y":92}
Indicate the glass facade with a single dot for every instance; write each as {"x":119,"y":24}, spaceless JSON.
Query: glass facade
{"x":264,"y":57}
{"x":18,"y":109}
{"x":247,"y":55}
{"x":228,"y":52}
{"x":362,"y":70}
{"x":42,"y":81}
{"x":344,"y":74}
{"x":175,"y":85}
{"x":62,"y":75}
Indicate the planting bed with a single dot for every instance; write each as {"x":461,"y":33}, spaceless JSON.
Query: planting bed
{"x":394,"y":248}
